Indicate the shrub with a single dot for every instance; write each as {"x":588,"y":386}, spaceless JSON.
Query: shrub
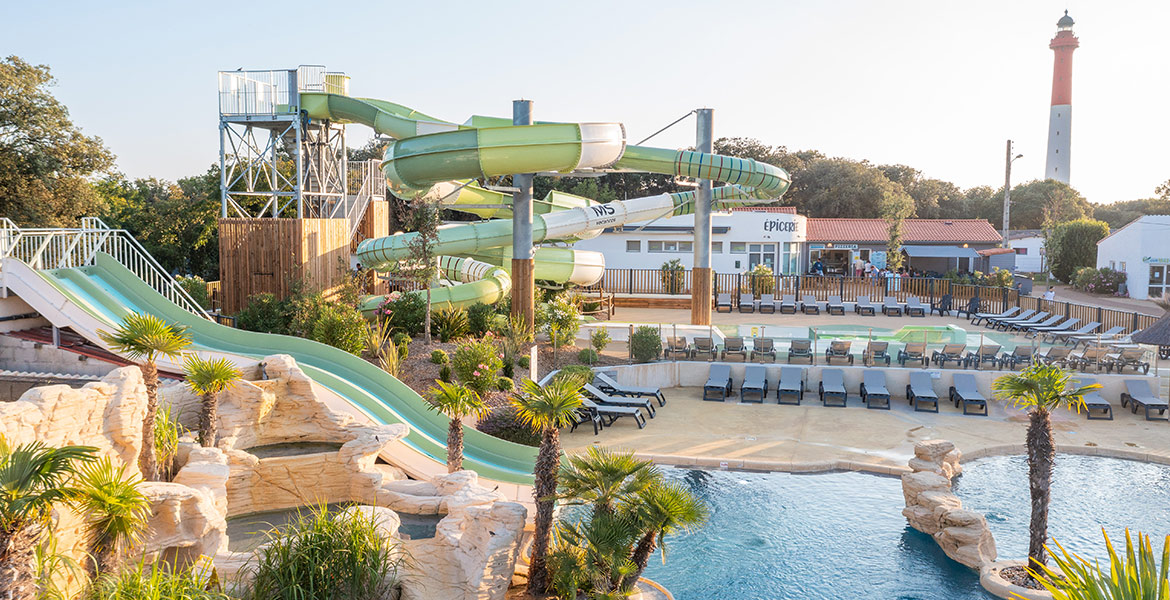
{"x":509,"y":369}
{"x":588,"y":356}
{"x":158,"y":581}
{"x":196,"y":287}
{"x":167,"y":431}
{"x":340,"y":326}
{"x":504,"y":424}
{"x":998,"y":278}
{"x":524,"y":361}
{"x":403,"y":342}
{"x":505,"y":384}
{"x":445,"y":374}
{"x":480,"y":318}
{"x":561,"y":320}
{"x":646,"y":344}
{"x":1099,"y":281}
{"x":477,"y":365}
{"x":323,"y":555}
{"x":305,"y":310}
{"x":449,"y":323}
{"x":1072,"y":245}
{"x":671,"y":273}
{"x":407,"y":313}
{"x":580,"y":372}
{"x":263,"y":313}
{"x":599,"y":339}
{"x":762,"y":279}
{"x":439,"y":357}
{"x":1083,"y":276}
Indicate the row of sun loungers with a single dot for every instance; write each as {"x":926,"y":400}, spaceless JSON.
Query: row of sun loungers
{"x":607,"y":401}
{"x":809,"y":305}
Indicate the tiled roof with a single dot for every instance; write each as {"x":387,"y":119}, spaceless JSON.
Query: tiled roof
{"x":995,"y":251}
{"x":913,"y":230}
{"x":788,"y":210}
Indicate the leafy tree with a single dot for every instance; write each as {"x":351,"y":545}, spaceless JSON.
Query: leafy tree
{"x":115,"y":512}
{"x":662,"y":509}
{"x":839,"y":187}
{"x":32,"y":480}
{"x":1073,"y":245}
{"x":546,"y":410}
{"x":1041,"y":389}
{"x":146,"y":337}
{"x":601,"y":477}
{"x":456,"y":401}
{"x":45,"y":159}
{"x":422,"y":268}
{"x":208,"y":377}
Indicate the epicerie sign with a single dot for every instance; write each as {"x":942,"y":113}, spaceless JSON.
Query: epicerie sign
{"x":780,"y":226}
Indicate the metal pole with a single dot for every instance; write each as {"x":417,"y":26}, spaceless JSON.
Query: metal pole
{"x":1007,"y":195}
{"x":523,"y":289}
{"x":701,"y":296}
{"x":223,"y":195}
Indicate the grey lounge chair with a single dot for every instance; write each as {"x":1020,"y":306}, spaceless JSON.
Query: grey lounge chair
{"x":610,"y":386}
{"x":835,"y":306}
{"x":605,"y":399}
{"x":1128,"y":357}
{"x":791,"y":385}
{"x":876,"y":352}
{"x":677,"y":346}
{"x":985,"y":354}
{"x":723,"y":303}
{"x":787,"y":304}
{"x":1010,"y":324}
{"x":767,"y":303}
{"x":1091,"y":356}
{"x":762,"y":347}
{"x":1138,"y":392}
{"x":587,"y":415}
{"x":949,"y":353}
{"x":755,"y":383}
{"x":613,"y":413}
{"x":838,"y":349}
{"x":809,"y":305}
{"x":1089,"y":338}
{"x":1022,"y":355}
{"x":718,"y":386}
{"x":993,"y":322}
{"x":964,"y":390}
{"x":800,"y":349}
{"x":747,"y":303}
{"x":1063,"y":335}
{"x":1065,"y":326}
{"x":863,"y":307}
{"x":832,"y":387}
{"x":1054,"y":355}
{"x":873,"y":389}
{"x":913,"y":352}
{"x":1095,"y":401}
{"x":920,"y":391}
{"x":704,"y":346}
{"x":976,"y":317}
{"x":1027,"y":329}
{"x":733,"y":346}
{"x":915,"y":307}
{"x":891,"y":308}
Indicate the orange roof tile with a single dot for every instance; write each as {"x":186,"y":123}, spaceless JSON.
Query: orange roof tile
{"x":789,"y":210}
{"x":913,"y":230}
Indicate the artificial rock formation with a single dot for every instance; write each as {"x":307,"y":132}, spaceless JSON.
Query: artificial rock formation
{"x":932,"y":509}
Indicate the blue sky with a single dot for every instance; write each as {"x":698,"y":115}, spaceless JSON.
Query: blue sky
{"x":936,"y":85}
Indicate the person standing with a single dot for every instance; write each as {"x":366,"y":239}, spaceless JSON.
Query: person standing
{"x":1049,"y":297}
{"x":858,"y":266}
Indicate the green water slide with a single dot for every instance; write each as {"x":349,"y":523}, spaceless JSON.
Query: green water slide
{"x":108,"y":291}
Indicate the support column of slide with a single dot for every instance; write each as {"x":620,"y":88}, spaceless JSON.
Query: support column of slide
{"x":523,"y":284}
{"x":701,"y":273}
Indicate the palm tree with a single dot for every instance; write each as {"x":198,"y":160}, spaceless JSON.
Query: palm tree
{"x":546,"y":410}
{"x":146,"y":337}
{"x":661,"y":509}
{"x":456,"y":401}
{"x":1040,"y":389}
{"x":32,"y":479}
{"x":115,"y":512}
{"x":208,"y":377}
{"x":602,"y":477}
{"x":1134,"y":576}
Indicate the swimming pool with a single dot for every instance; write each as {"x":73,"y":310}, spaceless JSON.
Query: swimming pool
{"x":776,"y":536}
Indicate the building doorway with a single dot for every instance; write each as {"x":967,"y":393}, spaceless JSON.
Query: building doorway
{"x":1157,"y":283}
{"x":836,"y":262}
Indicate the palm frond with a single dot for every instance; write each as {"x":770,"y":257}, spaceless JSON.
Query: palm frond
{"x":1137,"y":575}
{"x":210,"y":375}
{"x":142,"y":336}
{"x":33,"y":476}
{"x":455,"y":400}
{"x":115,"y":511}
{"x":552,"y":406}
{"x":1043,"y":387}
{"x":602,"y":477}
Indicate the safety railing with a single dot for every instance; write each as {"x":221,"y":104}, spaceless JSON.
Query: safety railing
{"x":366,"y":183}
{"x":271,"y":92}
{"x":72,"y":247}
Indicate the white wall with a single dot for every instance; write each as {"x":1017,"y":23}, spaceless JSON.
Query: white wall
{"x":1032,"y":262}
{"x":1136,"y":248}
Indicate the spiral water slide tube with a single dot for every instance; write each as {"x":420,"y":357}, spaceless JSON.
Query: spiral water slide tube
{"x":430,"y":158}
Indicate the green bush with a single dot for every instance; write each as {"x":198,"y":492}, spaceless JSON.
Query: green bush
{"x":157,"y":582}
{"x":196,"y":287}
{"x":762,"y":279}
{"x":509,"y":369}
{"x":402,"y":342}
{"x":504,"y":424}
{"x":449,"y":323}
{"x":407,"y":314}
{"x":439,"y":357}
{"x":646,"y":344}
{"x":1072,"y":245}
{"x":445,"y":374}
{"x":305,"y":310}
{"x":477,"y":365}
{"x":1083,"y":276}
{"x":599,"y":339}
{"x":480,"y":318}
{"x":505,"y":384}
{"x":580,"y":372}
{"x":672,"y":273}
{"x":340,"y":326}
{"x":320,"y":555}
{"x":588,"y":356}
{"x":263,"y":313}
{"x":560,"y":319}
{"x":524,"y":361}
{"x":1099,"y":281}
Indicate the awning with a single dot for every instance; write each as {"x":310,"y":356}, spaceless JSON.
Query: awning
{"x":939,"y":252}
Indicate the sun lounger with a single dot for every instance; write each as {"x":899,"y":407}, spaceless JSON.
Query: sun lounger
{"x":1089,"y":338}
{"x":965,"y":391}
{"x":943,"y":306}
{"x":1064,"y":334}
{"x":718,"y":386}
{"x":1139,"y":393}
{"x":791,"y":385}
{"x":809,"y":305}
{"x":920,"y":392}
{"x":677,"y":346}
{"x":788,"y":304}
{"x":1091,"y":356}
{"x":610,"y":386}
{"x":913,"y":352}
{"x":747,"y":303}
{"x":835,"y":306}
{"x":1054,"y":355}
{"x":972,"y":310}
{"x":755,"y":384}
{"x":704,"y":346}
{"x":1028,"y":328}
{"x":949,"y":353}
{"x":992,"y":322}
{"x":873,"y":389}
{"x":875,"y":352}
{"x":767,"y":303}
{"x":891,"y":308}
{"x":613,"y":413}
{"x":1021,"y":326}
{"x":762,"y":347}
{"x":863,"y":306}
{"x":800,"y":349}
{"x":1022,"y":355}
{"x":587,"y":415}
{"x":733,"y":346}
{"x":914,"y":307}
{"x":838,"y":349}
{"x":723,"y":303}
{"x":976,"y":317}
{"x":1007,"y":324}
{"x":832,"y":387}
{"x":1129,"y":357}
{"x":1094,"y":401}
{"x":605,"y":399}
{"x":985,"y":354}
{"x":1065,"y":326}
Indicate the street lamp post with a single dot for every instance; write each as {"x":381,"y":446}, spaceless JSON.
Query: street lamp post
{"x":1007,"y":193}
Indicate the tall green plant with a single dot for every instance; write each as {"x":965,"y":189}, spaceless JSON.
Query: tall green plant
{"x":1040,"y":389}
{"x":145,"y":338}
{"x":115,"y":512}
{"x":601,"y":477}
{"x":167,"y":432}
{"x":159,"y":581}
{"x":672,"y":273}
{"x":456,"y":402}
{"x":209,"y":377}
{"x":1135,"y":576}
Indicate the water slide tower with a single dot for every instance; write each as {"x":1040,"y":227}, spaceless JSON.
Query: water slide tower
{"x":1060,"y":117}
{"x":292,"y":204}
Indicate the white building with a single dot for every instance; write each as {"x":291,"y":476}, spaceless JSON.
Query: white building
{"x":1141,"y":249}
{"x":1029,"y":246}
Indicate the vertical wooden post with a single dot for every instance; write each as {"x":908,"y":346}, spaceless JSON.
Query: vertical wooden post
{"x":701,"y":296}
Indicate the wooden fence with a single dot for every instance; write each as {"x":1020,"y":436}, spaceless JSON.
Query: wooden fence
{"x":1107,"y":317}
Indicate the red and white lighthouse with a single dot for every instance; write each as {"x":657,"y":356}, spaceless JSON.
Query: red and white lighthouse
{"x":1060,"y":117}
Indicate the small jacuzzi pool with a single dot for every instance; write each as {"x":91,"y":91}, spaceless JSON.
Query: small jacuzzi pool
{"x":246,"y":532}
{"x":292,"y":449}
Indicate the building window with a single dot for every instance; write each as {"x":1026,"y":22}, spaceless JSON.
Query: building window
{"x":738,"y":247}
{"x":669,"y":246}
{"x":762,"y":254}
{"x":1123,"y":266}
{"x":1022,"y":251}
{"x":633,"y":245}
{"x":1113,"y":265}
{"x":791,"y":262}
{"x":716,"y":247}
